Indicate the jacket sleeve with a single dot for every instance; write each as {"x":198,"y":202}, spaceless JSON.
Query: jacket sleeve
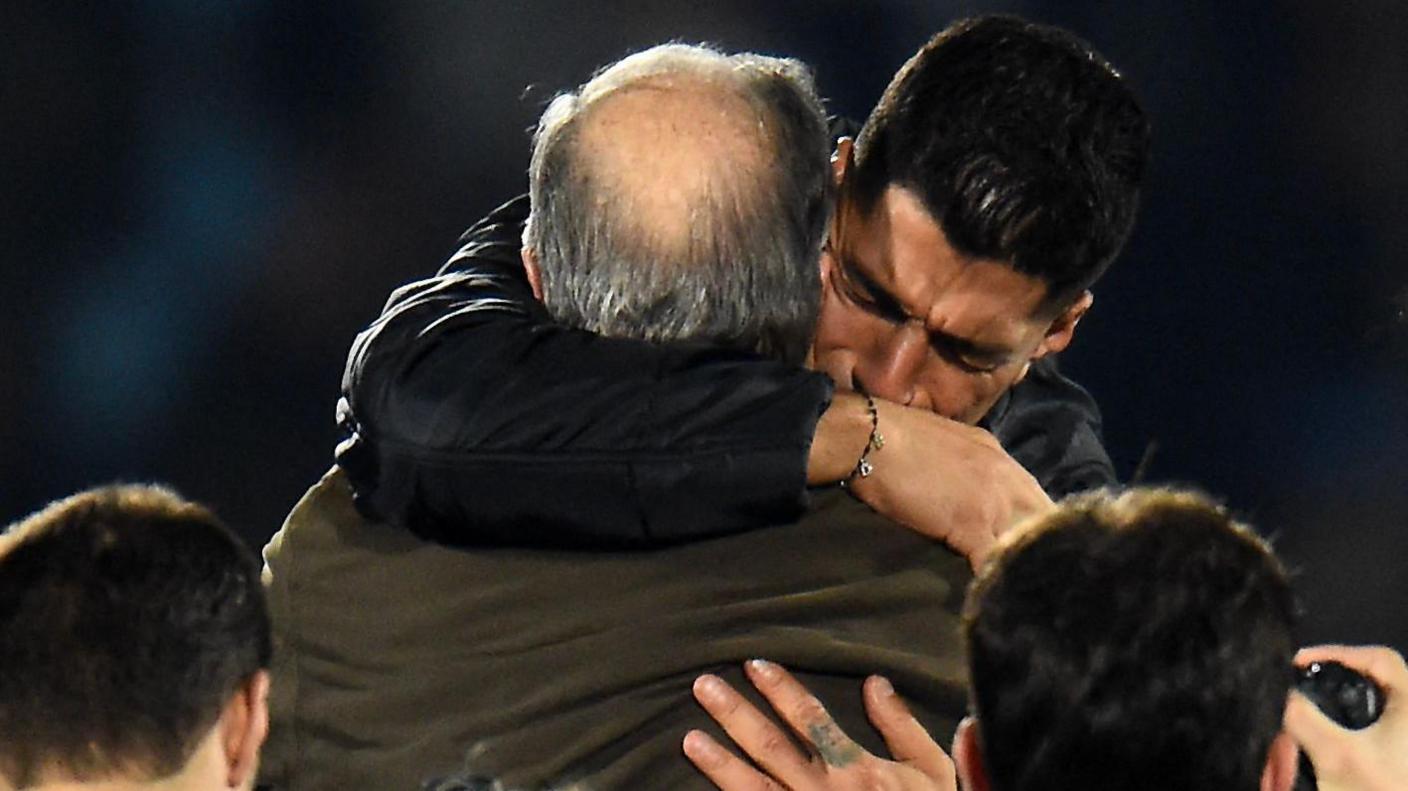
{"x":1051,"y":426}
{"x":469,"y":417}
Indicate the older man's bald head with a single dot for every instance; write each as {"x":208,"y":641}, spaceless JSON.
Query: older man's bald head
{"x":682,"y":194}
{"x":670,"y":151}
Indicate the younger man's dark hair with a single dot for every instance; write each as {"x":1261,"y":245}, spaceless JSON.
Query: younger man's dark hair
{"x":128,"y":617}
{"x":1024,"y":144}
{"x":1134,"y":641}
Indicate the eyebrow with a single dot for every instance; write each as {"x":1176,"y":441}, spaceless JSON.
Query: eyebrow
{"x":887,"y":303}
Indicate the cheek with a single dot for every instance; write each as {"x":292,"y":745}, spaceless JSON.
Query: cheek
{"x":960,"y":395}
{"x":829,"y":318}
{"x":950,"y":392}
{"x":986,"y":391}
{"x":846,"y":336}
{"x":842,"y":325}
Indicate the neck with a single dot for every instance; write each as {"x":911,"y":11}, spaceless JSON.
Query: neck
{"x":199,"y":774}
{"x":177,"y":782}
{"x":111,"y":785}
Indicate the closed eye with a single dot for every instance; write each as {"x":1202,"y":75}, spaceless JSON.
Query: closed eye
{"x":966,"y":355}
{"x":871,"y":297}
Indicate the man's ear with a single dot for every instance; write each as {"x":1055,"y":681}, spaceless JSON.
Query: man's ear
{"x":244,"y":724}
{"x":842,"y":159}
{"x":968,"y":756}
{"x":1282,"y":760}
{"x":1063,"y":327}
{"x":535,"y":275}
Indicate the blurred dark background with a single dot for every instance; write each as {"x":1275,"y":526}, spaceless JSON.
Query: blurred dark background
{"x":203,"y":202}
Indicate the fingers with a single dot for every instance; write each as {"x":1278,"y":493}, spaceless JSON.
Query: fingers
{"x":804,"y":713}
{"x":1342,"y":758}
{"x":763,"y":741}
{"x":907,"y":740}
{"x":840,"y":762}
{"x":1370,"y":758}
{"x":1032,"y":501}
{"x":1308,"y":725}
{"x":723,"y":768}
{"x":978,"y":553}
{"x":1041,"y":501}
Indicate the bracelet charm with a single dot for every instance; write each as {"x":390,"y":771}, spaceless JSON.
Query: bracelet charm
{"x":864,"y":467}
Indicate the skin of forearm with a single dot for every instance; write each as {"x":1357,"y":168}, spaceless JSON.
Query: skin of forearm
{"x":841,"y":434}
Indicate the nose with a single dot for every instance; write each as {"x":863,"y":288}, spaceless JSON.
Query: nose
{"x":891,"y":370}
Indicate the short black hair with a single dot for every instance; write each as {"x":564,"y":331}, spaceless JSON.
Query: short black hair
{"x":128,"y":617}
{"x":1135,"y":641}
{"x":1025,"y":145}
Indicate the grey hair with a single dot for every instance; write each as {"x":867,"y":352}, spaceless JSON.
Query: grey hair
{"x":744,"y":272}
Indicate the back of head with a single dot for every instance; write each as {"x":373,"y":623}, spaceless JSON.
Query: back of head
{"x":1132,"y":641}
{"x":682,"y":194}
{"x":1024,"y":144}
{"x":127,"y":619}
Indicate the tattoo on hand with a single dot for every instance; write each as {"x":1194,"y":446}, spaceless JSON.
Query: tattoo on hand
{"x":834,"y":747}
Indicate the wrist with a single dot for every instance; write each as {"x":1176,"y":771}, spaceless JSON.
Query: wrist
{"x":864,"y":465}
{"x":843,"y":434}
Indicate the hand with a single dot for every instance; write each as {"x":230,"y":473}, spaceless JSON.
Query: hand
{"x":1372,"y":759}
{"x":947,"y":480}
{"x":837,"y":762}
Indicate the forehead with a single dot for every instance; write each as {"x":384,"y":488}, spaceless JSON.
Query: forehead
{"x":903,"y":249}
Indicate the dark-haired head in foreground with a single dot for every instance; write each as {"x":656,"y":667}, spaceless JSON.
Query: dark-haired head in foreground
{"x":994,"y":182}
{"x":1134,"y":641}
{"x":133,"y":641}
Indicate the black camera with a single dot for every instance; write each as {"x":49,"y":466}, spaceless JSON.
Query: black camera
{"x":1346,"y":696}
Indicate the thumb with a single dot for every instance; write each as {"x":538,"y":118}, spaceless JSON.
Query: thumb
{"x":1310,"y":727}
{"x":978,"y":555}
{"x":906,"y":739}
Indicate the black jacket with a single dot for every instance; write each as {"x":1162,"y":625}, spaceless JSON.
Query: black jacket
{"x":470,"y":418}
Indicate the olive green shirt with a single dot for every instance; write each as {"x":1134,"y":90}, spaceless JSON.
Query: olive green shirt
{"x":399,"y":660}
